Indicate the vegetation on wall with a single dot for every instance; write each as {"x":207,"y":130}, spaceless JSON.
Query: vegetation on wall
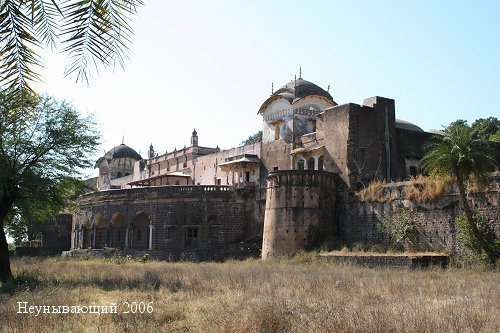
{"x":460,"y":152}
{"x":398,"y":226}
{"x":417,"y":188}
{"x":465,"y":235}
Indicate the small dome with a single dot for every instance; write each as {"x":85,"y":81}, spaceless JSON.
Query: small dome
{"x":403,"y":124}
{"x":117,"y":152}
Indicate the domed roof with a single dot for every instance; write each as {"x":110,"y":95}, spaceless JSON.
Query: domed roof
{"x":302,"y":88}
{"x":117,"y":152}
{"x":122,"y":151}
{"x":403,"y":124}
{"x":296,"y":89}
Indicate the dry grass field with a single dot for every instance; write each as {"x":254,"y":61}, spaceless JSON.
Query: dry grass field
{"x":296,"y":295}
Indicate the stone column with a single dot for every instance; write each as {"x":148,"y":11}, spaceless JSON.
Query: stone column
{"x":80,"y":237}
{"x":126,"y":236}
{"x":150,"y":246}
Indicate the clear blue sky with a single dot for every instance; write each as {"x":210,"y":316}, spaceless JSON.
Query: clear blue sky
{"x":209,"y":65}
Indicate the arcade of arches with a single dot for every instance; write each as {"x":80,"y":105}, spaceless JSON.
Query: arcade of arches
{"x":94,"y":232}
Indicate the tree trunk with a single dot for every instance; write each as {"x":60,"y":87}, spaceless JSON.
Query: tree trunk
{"x":5,"y":271}
{"x":470,"y":220}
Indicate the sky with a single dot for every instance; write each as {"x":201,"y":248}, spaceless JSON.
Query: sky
{"x":210,"y":65}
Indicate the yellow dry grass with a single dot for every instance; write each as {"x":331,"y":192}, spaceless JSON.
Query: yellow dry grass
{"x":297,"y":295}
{"x":374,"y":192}
{"x":427,"y":187}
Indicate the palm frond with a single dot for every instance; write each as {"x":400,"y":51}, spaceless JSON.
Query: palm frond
{"x":45,"y":16}
{"x":96,"y":32}
{"x":18,"y":58}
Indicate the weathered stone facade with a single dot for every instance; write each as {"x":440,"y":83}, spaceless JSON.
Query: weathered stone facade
{"x":293,"y":185}
{"x":299,"y":206}
{"x":169,"y":222}
{"x":434,"y":220}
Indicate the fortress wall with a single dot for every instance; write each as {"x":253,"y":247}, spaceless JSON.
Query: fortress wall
{"x":299,"y":206}
{"x":434,"y":220}
{"x":219,"y":215}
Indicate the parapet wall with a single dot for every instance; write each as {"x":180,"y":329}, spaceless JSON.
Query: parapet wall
{"x":434,"y":220}
{"x":299,"y":205}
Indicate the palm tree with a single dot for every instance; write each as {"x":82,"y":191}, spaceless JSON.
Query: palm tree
{"x":92,"y":32}
{"x":462,"y":154}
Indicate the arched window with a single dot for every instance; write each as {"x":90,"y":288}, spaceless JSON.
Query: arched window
{"x":300,"y":165}
{"x":276,"y":132}
{"x":119,"y":174}
{"x":320,"y":163}
{"x":310,"y":163}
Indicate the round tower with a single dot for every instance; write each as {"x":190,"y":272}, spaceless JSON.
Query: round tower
{"x":300,"y":206}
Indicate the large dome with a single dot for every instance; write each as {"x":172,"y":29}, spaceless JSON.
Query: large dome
{"x":297,"y":89}
{"x":403,"y":124}
{"x":118,"y":152}
{"x":302,"y":88}
{"x":122,"y":151}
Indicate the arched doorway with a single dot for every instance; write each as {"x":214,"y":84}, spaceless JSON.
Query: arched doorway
{"x":118,"y":231}
{"x":100,"y":231}
{"x":140,"y":235}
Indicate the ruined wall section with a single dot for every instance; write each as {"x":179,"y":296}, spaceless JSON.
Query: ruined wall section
{"x":434,"y":220}
{"x":300,"y":205}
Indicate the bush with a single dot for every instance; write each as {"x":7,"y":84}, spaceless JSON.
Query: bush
{"x":398,"y":226}
{"x":466,"y":237}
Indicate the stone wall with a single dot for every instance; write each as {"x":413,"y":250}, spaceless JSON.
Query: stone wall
{"x":170,"y":222}
{"x":434,"y":220}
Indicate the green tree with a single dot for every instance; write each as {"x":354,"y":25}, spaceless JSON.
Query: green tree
{"x":44,"y":144}
{"x":254,"y":138}
{"x":495,"y":137}
{"x":91,"y":32}
{"x":486,"y":127}
{"x":461,"y":153}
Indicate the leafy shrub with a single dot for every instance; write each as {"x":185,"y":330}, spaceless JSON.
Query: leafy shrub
{"x":398,"y":226}
{"x":466,"y":237}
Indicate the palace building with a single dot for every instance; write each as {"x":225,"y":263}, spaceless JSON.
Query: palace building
{"x":288,"y":189}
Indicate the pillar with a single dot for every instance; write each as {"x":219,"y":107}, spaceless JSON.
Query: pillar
{"x":150,"y":245}
{"x":80,"y":237}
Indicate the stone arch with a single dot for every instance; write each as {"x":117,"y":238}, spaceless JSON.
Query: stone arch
{"x":140,"y":235}
{"x":119,"y":230}
{"x":99,"y":231}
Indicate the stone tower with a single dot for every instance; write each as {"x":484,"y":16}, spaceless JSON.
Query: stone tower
{"x":300,"y":207}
